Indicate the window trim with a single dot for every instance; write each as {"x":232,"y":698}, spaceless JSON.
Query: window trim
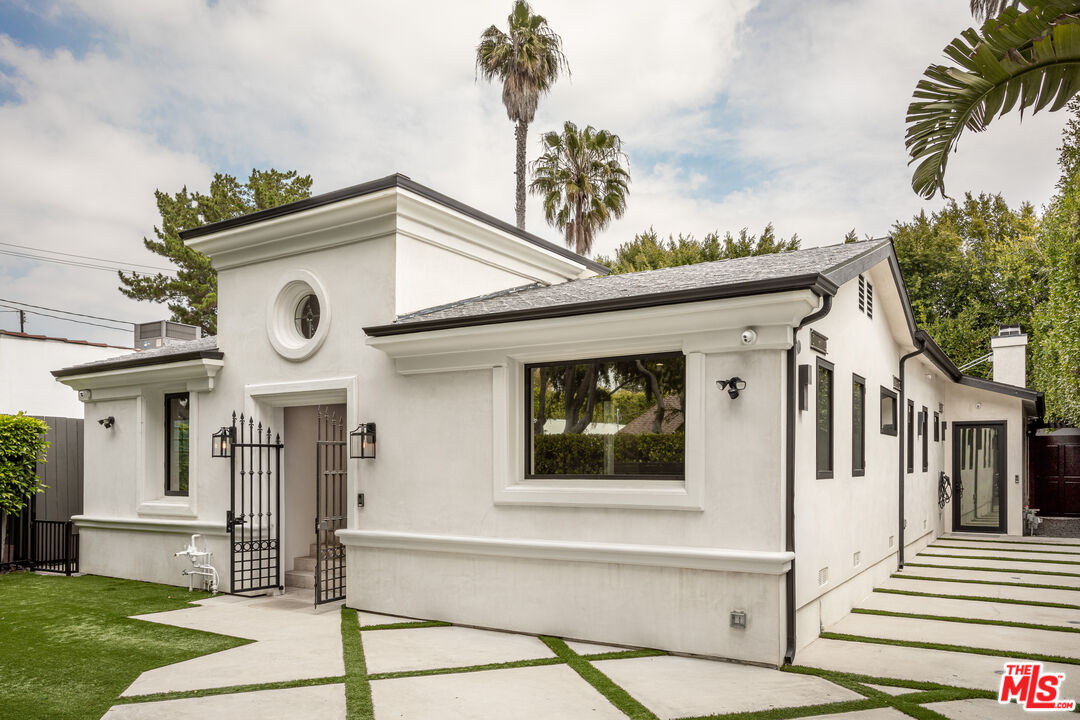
{"x":883,"y":429}
{"x":168,"y":443}
{"x":925,"y":419}
{"x":823,"y":364}
{"x":909,"y":428}
{"x":860,"y":439}
{"x":527,"y":402}
{"x":937,"y":426}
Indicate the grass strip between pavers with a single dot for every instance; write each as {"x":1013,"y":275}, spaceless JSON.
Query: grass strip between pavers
{"x":977,"y":598}
{"x":801,"y":711}
{"x":1072,"y":553}
{"x":951,"y":648}
{"x":1012,"y":559}
{"x":358,"y":705}
{"x":227,"y":690}
{"x":972,"y":621}
{"x":1011,"y":542}
{"x":972,"y":581}
{"x":532,"y":662}
{"x":986,"y":569}
{"x":601,"y":682}
{"x":405,"y":625}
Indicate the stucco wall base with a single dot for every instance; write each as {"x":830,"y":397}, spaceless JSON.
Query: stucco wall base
{"x":674,"y":609}
{"x":826,"y":609}
{"x":146,"y":556}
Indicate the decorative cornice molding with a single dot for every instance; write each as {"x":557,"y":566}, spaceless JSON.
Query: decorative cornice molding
{"x":184,"y":527}
{"x":695,"y":558}
{"x":197,"y":375}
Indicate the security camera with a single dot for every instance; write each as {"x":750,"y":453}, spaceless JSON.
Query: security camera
{"x":748,"y":337}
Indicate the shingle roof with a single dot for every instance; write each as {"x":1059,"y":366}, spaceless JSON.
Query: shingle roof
{"x":205,"y":347}
{"x":686,"y":283}
{"x":30,"y":336}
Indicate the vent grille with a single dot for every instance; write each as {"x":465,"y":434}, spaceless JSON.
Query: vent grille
{"x":823,"y":576}
{"x":856,"y":558}
{"x":866,"y":297}
{"x":892,"y":540}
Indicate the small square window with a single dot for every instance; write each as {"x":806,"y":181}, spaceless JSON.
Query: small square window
{"x":888,"y":412}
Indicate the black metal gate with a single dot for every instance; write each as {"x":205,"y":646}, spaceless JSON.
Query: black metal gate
{"x":253,"y":521}
{"x":331,"y":479}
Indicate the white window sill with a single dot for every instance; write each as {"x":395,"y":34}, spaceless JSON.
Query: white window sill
{"x":589,"y":492}
{"x":182,"y":507}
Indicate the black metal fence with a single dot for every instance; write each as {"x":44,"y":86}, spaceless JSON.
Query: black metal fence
{"x":44,"y":545}
{"x":15,"y":552}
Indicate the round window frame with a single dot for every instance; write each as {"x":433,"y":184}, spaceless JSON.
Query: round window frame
{"x":281,"y":316}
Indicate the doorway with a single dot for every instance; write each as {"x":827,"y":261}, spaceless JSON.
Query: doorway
{"x":1055,"y":473}
{"x":979,"y":464}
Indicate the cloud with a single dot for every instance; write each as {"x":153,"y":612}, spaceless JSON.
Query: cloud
{"x":735,"y":113}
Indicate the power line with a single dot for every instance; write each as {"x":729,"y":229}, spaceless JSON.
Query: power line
{"x":65,"y":312}
{"x":88,"y":257}
{"x":72,"y":263}
{"x":71,"y":320}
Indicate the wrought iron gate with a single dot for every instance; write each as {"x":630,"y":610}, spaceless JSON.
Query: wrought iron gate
{"x":331,"y":478}
{"x":253,"y":521}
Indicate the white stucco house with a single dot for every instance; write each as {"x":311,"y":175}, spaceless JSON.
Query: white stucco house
{"x":800,"y":425}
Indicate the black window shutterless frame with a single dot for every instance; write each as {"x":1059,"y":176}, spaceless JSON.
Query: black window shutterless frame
{"x":910,"y":436}
{"x":825,"y":452}
{"x":858,"y":425}
{"x":169,"y":397}
{"x":527,"y":419}
{"x":925,"y":439}
{"x":888,"y":420}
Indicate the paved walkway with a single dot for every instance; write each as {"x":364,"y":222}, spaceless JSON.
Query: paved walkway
{"x":433,"y":671}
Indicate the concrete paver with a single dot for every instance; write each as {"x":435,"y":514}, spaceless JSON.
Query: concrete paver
{"x":1004,"y":563}
{"x":446,"y":647}
{"x":1005,"y":612}
{"x":1005,"y":639}
{"x":984,"y":710}
{"x":1010,"y":592}
{"x":294,"y":643}
{"x":552,"y":692}
{"x":1042,"y":553}
{"x":678,"y":687}
{"x":1010,"y":540}
{"x":990,"y":576}
{"x":367,"y":618}
{"x":875,"y":714}
{"x":326,"y":702}
{"x":963,"y":670}
{"x":892,"y":689}
{"x":587,"y":648}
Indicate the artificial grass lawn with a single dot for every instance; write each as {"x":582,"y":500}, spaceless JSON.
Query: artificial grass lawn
{"x":68,"y":649}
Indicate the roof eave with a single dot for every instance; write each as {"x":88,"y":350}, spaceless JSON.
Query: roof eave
{"x":138,"y":362}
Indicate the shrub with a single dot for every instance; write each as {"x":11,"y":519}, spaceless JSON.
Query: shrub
{"x":647,"y":453}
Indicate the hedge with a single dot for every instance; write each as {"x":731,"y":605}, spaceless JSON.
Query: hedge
{"x":647,"y":453}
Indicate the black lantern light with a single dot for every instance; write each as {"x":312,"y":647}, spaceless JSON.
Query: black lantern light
{"x":221,"y":443}
{"x":362,"y":441}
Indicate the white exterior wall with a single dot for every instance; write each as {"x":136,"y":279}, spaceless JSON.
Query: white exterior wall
{"x":26,"y":383}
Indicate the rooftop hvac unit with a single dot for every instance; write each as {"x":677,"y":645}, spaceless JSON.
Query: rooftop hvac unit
{"x":157,"y":334}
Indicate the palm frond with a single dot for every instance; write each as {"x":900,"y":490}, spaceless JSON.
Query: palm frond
{"x":1017,"y":60}
{"x":986,"y":9}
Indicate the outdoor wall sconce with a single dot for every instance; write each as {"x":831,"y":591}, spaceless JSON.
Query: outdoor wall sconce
{"x":221,"y":443}
{"x":362,"y":442}
{"x":733,"y":386}
{"x":107,"y":422}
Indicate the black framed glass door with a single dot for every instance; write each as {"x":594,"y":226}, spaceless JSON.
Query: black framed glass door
{"x":979,"y":474}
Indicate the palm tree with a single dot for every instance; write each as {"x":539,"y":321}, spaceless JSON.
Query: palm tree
{"x":1021,"y":59}
{"x":986,"y":9}
{"x":584,"y":178}
{"x":527,"y":60}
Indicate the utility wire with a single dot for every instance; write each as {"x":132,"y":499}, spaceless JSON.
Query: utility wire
{"x":72,"y":320}
{"x":87,"y":257}
{"x":72,"y":263}
{"x":65,"y":312}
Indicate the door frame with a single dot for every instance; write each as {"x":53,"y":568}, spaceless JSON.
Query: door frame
{"x":1003,"y":477}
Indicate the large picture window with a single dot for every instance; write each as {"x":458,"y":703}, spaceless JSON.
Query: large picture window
{"x":177,"y":424}
{"x":824,"y":419}
{"x":607,"y":418}
{"x":858,"y":425}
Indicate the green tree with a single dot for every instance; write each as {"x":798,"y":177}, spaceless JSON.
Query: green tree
{"x":647,"y":251}
{"x":1056,"y":338}
{"x":969,"y":267}
{"x":22,"y":447}
{"x":583,"y":179}
{"x":1018,"y":59}
{"x":192,"y":293}
{"x":527,"y":60}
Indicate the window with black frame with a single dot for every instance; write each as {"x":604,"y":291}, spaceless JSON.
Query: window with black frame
{"x":888,"y":412}
{"x":910,"y":436}
{"x":824,"y":419}
{"x":177,"y":426}
{"x":858,"y":425}
{"x":607,"y":418}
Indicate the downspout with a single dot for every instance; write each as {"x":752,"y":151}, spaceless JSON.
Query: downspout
{"x":789,"y":461}
{"x":920,"y":347}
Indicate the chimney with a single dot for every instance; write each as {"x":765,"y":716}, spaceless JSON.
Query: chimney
{"x":1010,"y":355}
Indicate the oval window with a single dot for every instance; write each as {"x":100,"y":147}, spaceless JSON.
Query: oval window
{"x":307,"y":316}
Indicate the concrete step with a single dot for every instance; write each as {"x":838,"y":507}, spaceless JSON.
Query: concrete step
{"x":313,"y":549}
{"x":300,"y":579}
{"x":975,"y":610}
{"x":1068,"y":597}
{"x":306,"y":563}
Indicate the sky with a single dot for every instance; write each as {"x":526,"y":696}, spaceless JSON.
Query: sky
{"x":734,"y":113}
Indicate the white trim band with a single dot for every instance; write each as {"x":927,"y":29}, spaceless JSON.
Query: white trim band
{"x":695,"y":558}
{"x":184,"y":527}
